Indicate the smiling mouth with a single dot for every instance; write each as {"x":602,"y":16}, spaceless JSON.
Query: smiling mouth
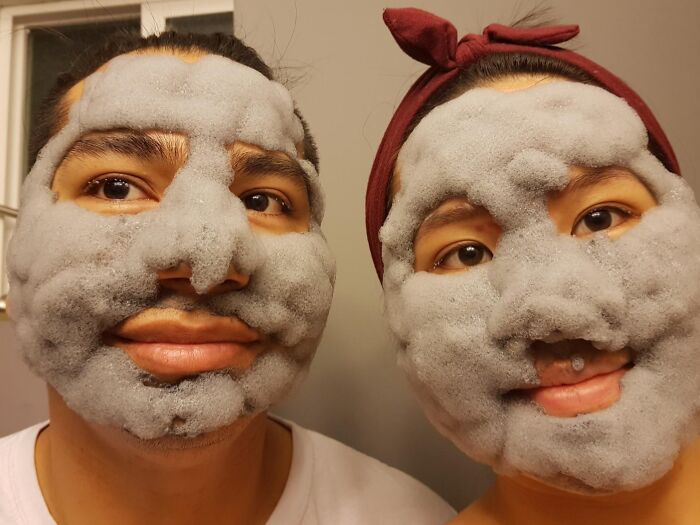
{"x":575,"y":378}
{"x":171,"y":344}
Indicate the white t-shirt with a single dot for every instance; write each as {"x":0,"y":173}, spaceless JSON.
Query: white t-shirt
{"x":328,"y":484}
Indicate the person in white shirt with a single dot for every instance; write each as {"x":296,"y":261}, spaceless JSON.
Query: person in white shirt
{"x":170,"y":282}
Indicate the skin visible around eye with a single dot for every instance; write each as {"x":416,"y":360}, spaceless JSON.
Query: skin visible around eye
{"x":114,"y":182}
{"x":115,"y":194}
{"x":601,"y":218}
{"x":462,"y":257}
{"x":111,"y":181}
{"x":455,"y":237}
{"x":117,"y":187}
{"x":275,"y":204}
{"x":609,"y":200}
{"x":267,"y":202}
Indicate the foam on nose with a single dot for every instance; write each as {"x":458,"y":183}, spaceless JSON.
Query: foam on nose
{"x":213,"y":234}
{"x":549,"y":285}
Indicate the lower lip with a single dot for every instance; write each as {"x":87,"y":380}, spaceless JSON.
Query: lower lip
{"x":588,"y":396}
{"x":169,"y":361}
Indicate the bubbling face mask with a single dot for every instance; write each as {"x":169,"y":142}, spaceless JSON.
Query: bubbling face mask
{"x":465,"y":338}
{"x":75,"y":274}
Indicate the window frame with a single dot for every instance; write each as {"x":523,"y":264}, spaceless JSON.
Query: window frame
{"x":15,"y":23}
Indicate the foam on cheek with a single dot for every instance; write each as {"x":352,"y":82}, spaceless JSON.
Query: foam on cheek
{"x":465,"y":337}
{"x":75,"y":273}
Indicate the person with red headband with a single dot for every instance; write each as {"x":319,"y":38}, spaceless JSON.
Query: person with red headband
{"x":540,"y":259}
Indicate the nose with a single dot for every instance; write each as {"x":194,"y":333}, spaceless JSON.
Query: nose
{"x":557,"y":292}
{"x":178,"y":279}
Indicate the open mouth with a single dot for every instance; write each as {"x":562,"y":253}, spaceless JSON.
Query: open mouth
{"x":171,"y":344}
{"x":576,"y":378}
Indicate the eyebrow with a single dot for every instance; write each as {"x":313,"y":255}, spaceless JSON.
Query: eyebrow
{"x":130,"y":143}
{"x":437,"y":219}
{"x":174,"y":150}
{"x":254,"y":163}
{"x":594,"y":176}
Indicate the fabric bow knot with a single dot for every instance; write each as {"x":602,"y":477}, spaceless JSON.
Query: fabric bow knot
{"x":433,"y":40}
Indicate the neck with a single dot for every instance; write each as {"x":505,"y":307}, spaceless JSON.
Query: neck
{"x":672,"y":499}
{"x":94,"y":474}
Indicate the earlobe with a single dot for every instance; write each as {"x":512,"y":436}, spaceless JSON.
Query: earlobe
{"x":5,"y":307}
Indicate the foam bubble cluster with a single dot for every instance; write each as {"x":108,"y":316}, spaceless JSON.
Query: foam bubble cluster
{"x":465,"y":338}
{"x":74,"y":273}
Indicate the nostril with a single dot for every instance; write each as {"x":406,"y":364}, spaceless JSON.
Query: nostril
{"x":178,"y":279}
{"x":180,"y":285}
{"x":229,"y":285}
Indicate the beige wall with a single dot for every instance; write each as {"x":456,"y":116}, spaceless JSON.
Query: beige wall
{"x":353,"y":76}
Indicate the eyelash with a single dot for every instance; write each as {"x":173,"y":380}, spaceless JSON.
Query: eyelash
{"x":284,"y":203}
{"x":94,"y":185}
{"x":454,"y":249}
{"x":619,"y":208}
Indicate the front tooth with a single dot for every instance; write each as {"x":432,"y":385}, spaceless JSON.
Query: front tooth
{"x":554,"y":337}
{"x":599,"y":345}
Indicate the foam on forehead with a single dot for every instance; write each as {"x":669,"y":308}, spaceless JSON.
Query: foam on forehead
{"x":191,"y":97}
{"x":484,"y":129}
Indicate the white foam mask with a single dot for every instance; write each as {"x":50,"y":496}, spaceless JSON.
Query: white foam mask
{"x":465,"y":338}
{"x":75,"y":273}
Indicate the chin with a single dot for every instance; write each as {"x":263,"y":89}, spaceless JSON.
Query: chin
{"x":626,"y":446}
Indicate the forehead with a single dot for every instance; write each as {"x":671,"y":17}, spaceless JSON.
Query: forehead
{"x":201,"y":96}
{"x":187,"y":56}
{"x":489,"y":145}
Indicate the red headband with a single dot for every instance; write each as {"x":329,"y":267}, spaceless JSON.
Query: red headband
{"x":433,"y":41}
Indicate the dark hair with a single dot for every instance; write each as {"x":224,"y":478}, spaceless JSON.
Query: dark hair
{"x":53,"y":111}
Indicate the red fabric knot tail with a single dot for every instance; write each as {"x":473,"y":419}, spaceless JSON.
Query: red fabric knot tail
{"x":533,"y":36}
{"x":423,"y":36}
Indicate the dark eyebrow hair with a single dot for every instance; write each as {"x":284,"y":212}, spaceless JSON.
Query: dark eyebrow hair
{"x":437,"y":219}
{"x":261,"y":163}
{"x":593,"y":176}
{"x":127,"y":142}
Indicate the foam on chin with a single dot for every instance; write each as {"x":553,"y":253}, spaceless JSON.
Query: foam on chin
{"x":74,"y":273}
{"x":464,"y":337}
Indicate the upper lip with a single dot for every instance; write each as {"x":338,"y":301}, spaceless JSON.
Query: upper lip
{"x":553,"y":362}
{"x":169,"y":325}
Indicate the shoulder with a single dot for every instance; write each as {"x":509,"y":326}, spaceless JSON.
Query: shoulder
{"x":18,"y":485}
{"x":375,"y":491}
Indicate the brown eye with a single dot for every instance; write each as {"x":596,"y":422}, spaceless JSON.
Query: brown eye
{"x":599,"y":219}
{"x":265,"y":203}
{"x":115,"y":188}
{"x":464,"y":256}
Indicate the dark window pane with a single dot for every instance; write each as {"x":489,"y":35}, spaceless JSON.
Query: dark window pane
{"x":52,"y":50}
{"x":213,"y":23}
